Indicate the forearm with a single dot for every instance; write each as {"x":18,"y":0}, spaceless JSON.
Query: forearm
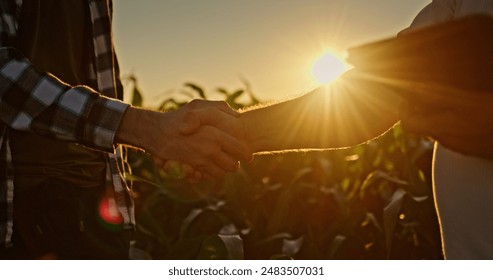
{"x":346,"y":113}
{"x":38,"y":102}
{"x":136,"y":128}
{"x":283,"y":126}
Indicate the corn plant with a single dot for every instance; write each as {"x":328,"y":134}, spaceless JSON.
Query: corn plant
{"x":372,"y":201}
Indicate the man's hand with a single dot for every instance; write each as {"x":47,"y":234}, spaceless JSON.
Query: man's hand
{"x":461,"y":121}
{"x":195,"y":120}
{"x":179,"y":170}
{"x":208,"y":150}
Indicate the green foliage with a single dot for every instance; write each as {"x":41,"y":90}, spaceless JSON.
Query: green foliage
{"x":373,"y":201}
{"x":137,"y":99}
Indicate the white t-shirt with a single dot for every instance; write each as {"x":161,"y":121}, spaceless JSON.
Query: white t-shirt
{"x":463,"y":185}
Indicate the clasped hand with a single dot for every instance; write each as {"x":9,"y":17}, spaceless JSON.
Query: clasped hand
{"x":204,"y":137}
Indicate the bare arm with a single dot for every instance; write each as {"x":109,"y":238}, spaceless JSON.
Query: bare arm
{"x":350,"y":111}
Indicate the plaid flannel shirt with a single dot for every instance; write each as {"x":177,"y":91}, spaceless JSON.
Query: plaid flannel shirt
{"x":40,"y":103}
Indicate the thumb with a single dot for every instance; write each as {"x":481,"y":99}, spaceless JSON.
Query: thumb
{"x":225,"y":108}
{"x":195,"y":119}
{"x":191,"y":123}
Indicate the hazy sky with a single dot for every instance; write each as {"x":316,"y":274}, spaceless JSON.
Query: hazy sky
{"x":270,"y":43}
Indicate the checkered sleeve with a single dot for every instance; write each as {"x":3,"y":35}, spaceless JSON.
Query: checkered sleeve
{"x":39,"y":102}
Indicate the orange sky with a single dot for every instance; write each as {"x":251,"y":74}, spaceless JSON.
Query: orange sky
{"x":272,"y":44}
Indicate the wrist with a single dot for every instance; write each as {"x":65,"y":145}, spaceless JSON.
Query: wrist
{"x":136,"y":127}
{"x":253,"y":132}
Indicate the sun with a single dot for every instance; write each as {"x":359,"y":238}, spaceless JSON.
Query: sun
{"x":328,"y":67}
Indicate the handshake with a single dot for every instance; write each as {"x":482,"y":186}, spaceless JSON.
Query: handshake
{"x":432,"y":97}
{"x":207,"y":138}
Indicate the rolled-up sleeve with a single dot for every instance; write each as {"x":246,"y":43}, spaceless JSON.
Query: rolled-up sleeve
{"x":39,"y":102}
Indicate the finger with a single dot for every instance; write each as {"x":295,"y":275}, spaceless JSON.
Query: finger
{"x":226,"y":162}
{"x":224,"y":107}
{"x":191,"y":123}
{"x":195,"y":178}
{"x":213,"y":172}
{"x":195,"y":119}
{"x":188,"y":170}
{"x":208,"y":177}
{"x":235,"y":148}
{"x":215,"y":157}
{"x":220,"y":105}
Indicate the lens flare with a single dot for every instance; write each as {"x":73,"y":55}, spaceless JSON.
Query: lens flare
{"x":108,"y":211}
{"x":327,"y":68}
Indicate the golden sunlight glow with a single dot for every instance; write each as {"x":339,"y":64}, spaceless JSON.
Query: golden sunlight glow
{"x":328,"y":67}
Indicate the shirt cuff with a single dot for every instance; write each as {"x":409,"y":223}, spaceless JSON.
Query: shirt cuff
{"x":102,"y":123}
